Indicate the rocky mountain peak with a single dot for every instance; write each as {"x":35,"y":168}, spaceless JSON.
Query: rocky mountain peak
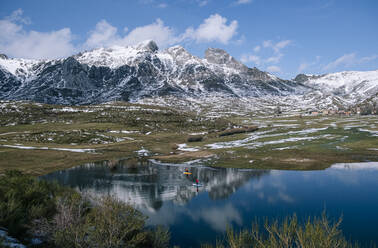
{"x":178,"y":52}
{"x":300,"y":78}
{"x":3,"y":56}
{"x":148,"y":45}
{"x":221,"y":57}
{"x":217,"y":56}
{"x":132,"y":73}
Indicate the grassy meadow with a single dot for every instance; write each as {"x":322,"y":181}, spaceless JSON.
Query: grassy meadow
{"x":38,"y":138}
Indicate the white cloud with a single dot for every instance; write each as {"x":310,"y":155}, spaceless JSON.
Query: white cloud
{"x":270,"y":61}
{"x":251,"y":58}
{"x":306,"y":65}
{"x":239,"y":41}
{"x":273,"y":68}
{"x":162,"y":5}
{"x":243,"y":1}
{"x":267,"y":43}
{"x":303,"y":66}
{"x":277,"y":46}
{"x":281,"y":44}
{"x":345,"y":60}
{"x":368,"y":58}
{"x":157,"y":31}
{"x":348,"y":60}
{"x":146,"y":1}
{"x":202,"y":3}
{"x":105,"y":35}
{"x":274,"y":59}
{"x":214,"y":28}
{"x":15,"y":41}
{"x":16,"y":16}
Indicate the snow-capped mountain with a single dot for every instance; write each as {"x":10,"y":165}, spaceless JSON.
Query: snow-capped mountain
{"x":143,"y":72}
{"x":354,"y":86}
{"x":135,"y":72}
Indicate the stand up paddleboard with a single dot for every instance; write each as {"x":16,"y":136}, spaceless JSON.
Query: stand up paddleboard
{"x":187,"y":173}
{"x":197,"y":185}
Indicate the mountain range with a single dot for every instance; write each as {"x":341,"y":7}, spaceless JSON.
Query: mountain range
{"x":143,"y":73}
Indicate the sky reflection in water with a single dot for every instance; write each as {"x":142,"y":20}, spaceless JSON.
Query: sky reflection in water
{"x":232,"y":196}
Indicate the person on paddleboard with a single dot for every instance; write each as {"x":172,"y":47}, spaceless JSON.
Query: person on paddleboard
{"x":197,"y":181}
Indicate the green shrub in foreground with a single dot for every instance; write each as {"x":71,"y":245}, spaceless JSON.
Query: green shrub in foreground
{"x":109,"y":222}
{"x":315,"y":233}
{"x":63,"y":218}
{"x":23,"y":199}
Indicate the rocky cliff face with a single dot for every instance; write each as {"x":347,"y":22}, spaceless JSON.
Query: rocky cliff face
{"x":143,"y":71}
{"x":132,"y":73}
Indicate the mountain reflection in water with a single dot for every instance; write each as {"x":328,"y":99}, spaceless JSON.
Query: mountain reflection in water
{"x":233,"y":196}
{"x":148,"y":184}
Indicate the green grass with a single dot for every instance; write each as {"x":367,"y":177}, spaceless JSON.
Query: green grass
{"x":161,"y":129}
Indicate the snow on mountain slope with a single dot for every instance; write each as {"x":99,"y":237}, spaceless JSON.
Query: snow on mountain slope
{"x":173,"y":75}
{"x":21,"y":68}
{"x":353,"y":85}
{"x":117,"y":56}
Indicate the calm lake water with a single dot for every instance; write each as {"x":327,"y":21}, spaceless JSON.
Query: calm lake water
{"x":233,"y":196}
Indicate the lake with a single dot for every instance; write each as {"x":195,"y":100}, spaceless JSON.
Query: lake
{"x":233,"y":196}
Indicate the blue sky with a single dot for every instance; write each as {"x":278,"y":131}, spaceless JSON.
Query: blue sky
{"x":282,"y":37}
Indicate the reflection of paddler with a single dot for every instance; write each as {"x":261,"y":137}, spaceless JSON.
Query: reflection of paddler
{"x":197,"y":184}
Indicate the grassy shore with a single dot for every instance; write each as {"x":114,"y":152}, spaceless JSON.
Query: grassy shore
{"x":38,"y":138}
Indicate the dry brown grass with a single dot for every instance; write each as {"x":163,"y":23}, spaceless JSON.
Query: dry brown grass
{"x":232,"y":131}
{"x":184,"y":156}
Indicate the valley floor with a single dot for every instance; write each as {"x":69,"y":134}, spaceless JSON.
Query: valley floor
{"x":38,"y":139}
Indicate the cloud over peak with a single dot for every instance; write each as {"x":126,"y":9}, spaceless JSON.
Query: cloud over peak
{"x":17,"y":42}
{"x":214,"y":28}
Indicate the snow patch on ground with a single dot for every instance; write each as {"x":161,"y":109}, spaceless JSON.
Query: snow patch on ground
{"x":143,"y":152}
{"x":374,"y":133}
{"x":186,"y":148}
{"x":191,"y":163}
{"x":123,"y":131}
{"x":49,"y":148}
{"x":355,"y":166}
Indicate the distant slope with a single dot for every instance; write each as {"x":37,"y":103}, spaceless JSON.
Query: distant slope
{"x":353,"y":86}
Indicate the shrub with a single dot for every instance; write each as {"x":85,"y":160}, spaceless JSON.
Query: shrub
{"x":195,"y":138}
{"x":251,"y":128}
{"x":113,"y":223}
{"x":66,"y":228}
{"x":64,"y":218}
{"x":316,"y":232}
{"x":233,"y":131}
{"x":159,"y":238}
{"x":107,"y":222}
{"x":23,"y":199}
